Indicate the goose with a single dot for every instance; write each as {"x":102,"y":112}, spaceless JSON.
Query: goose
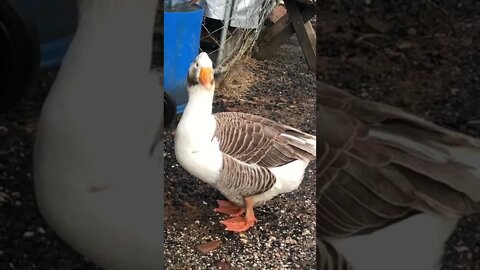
{"x":248,"y":158}
{"x":391,"y":186}
{"x":98,"y":161}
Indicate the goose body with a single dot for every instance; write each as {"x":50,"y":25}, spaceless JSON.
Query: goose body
{"x":248,"y":158}
{"x":98,"y":184}
{"x":391,"y":186}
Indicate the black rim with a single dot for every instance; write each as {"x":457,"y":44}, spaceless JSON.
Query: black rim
{"x":169,"y":109}
{"x":19,"y":54}
{"x":6,"y":64}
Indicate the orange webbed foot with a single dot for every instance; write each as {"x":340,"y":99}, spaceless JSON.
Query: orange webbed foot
{"x":238,"y":224}
{"x":242,"y":224}
{"x":226,"y":207}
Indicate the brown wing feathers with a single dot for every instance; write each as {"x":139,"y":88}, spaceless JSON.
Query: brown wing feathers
{"x":378,"y":164}
{"x":256,"y":140}
{"x":241,"y":178}
{"x":250,"y":145}
{"x":329,"y":259}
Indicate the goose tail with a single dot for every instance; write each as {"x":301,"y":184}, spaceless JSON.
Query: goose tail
{"x":303,"y":143}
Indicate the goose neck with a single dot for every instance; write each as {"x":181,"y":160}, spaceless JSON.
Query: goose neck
{"x":199,"y":103}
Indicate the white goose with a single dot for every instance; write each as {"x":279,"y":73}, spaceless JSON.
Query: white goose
{"x":249,"y":159}
{"x":97,"y":183}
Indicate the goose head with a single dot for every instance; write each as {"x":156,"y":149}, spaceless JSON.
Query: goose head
{"x":201,"y":73}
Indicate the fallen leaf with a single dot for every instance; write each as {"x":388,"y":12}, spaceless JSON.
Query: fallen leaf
{"x":378,"y":25}
{"x":188,"y":205}
{"x":223,"y":265}
{"x":209,"y":246}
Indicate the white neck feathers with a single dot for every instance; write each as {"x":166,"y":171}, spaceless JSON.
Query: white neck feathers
{"x":200,"y":102}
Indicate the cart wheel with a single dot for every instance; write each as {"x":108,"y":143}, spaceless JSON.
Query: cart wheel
{"x":169,"y":109}
{"x":19,"y":54}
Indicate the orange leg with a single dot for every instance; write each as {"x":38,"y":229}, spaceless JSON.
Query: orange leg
{"x":226,"y":207}
{"x":241,"y":224}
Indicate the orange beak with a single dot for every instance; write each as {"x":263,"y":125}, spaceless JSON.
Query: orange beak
{"x":205,"y":77}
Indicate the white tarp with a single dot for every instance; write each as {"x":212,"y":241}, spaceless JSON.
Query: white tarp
{"x":245,"y":13}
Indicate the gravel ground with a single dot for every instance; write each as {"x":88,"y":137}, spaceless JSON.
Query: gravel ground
{"x":281,"y":89}
{"x":422,"y":56}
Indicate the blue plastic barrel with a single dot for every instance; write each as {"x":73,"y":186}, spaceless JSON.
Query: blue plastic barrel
{"x":182,"y":29}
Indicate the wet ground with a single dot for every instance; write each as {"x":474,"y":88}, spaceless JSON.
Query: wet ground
{"x":422,"y":56}
{"x":283,"y":90}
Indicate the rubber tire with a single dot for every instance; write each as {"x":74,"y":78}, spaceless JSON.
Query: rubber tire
{"x":20,"y":54}
{"x":169,"y":110}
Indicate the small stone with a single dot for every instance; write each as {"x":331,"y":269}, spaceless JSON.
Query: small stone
{"x":403,"y":45}
{"x":28,"y":234}
{"x":461,"y":249}
{"x":289,"y":240}
{"x":4,"y":197}
{"x":412,"y":31}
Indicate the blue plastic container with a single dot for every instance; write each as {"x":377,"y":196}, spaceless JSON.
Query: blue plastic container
{"x":182,"y":29}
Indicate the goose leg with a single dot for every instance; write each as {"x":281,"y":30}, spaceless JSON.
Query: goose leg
{"x":241,"y":224}
{"x":226,"y":207}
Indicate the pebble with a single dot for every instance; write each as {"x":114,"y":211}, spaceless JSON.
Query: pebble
{"x":28,"y":234}
{"x":412,"y":31}
{"x":461,"y":248}
{"x":4,"y":197}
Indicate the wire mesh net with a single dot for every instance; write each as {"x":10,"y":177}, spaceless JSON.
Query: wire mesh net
{"x":231,"y":28}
